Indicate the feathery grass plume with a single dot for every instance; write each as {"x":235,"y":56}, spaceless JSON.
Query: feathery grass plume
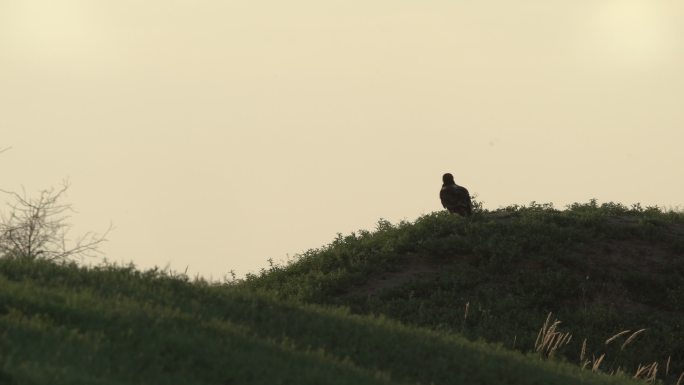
{"x":613,"y":338}
{"x":631,"y":338}
{"x":549,"y":340}
{"x":563,"y":340}
{"x":597,"y":363}
{"x":542,"y":332}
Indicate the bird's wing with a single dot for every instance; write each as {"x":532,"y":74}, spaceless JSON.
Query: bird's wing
{"x":463,"y":191}
{"x":453,"y":196}
{"x":464,"y":196}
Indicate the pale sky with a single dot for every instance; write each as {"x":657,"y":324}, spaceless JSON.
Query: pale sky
{"x":218,"y":134}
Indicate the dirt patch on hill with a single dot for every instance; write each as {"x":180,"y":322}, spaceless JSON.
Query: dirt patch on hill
{"x":651,"y":258}
{"x":414,"y":267}
{"x":631,"y":276}
{"x":616,"y":263}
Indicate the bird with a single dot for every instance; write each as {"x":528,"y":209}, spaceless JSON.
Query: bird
{"x":455,"y":198}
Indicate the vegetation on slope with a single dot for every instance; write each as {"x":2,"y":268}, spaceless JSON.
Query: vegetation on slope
{"x":601,"y":269}
{"x":65,"y":324}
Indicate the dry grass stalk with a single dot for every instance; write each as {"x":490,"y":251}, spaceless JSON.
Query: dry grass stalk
{"x":632,"y":337}
{"x":613,"y":338}
{"x":597,"y":363}
{"x":565,"y":339}
{"x":679,"y":381}
{"x":585,"y":363}
{"x":640,"y":370}
{"x":549,"y":340}
{"x":652,"y":373}
{"x":667,"y":366}
{"x":647,"y":372}
{"x":465,"y":314}
{"x":583,"y":352}
{"x":542,"y":331}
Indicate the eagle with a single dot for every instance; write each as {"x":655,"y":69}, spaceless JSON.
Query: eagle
{"x":455,"y":198}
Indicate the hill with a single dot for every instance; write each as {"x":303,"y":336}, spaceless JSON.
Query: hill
{"x":600,"y":269}
{"x":65,"y":324}
{"x":442,"y":300}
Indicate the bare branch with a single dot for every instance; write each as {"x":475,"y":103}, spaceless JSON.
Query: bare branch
{"x":37,"y":227}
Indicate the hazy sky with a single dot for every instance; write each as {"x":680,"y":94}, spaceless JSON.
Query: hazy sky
{"x":217,"y":134}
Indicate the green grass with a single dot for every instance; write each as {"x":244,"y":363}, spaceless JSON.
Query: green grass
{"x":64,"y":324}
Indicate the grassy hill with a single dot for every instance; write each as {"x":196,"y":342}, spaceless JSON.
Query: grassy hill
{"x":440,"y":301}
{"x":62,"y":324}
{"x":600,"y":269}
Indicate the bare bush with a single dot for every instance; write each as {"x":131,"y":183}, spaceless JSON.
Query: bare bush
{"x":37,"y":227}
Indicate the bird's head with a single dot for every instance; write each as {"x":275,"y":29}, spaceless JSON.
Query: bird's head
{"x":448,"y":179}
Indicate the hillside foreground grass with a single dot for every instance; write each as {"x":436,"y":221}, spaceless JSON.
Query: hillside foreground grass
{"x":442,"y":300}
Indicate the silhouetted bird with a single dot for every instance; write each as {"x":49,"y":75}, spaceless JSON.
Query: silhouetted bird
{"x":455,"y":198}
